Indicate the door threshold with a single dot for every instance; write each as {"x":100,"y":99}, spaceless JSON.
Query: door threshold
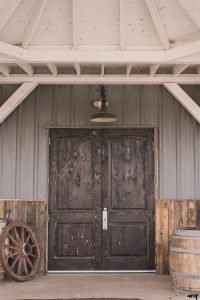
{"x":102,"y":272}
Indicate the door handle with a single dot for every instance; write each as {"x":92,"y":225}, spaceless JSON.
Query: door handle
{"x":105,"y":219}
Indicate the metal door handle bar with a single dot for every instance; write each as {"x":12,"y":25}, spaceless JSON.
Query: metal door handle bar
{"x":105,"y":219}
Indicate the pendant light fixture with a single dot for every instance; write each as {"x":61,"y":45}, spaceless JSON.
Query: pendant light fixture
{"x":103,"y":116}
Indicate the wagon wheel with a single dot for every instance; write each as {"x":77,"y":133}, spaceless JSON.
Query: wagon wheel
{"x":20,"y":251}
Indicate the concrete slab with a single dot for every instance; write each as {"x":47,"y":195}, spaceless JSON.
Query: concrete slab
{"x":145,"y":287}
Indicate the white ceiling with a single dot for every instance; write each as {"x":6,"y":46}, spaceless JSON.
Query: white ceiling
{"x":129,"y":34}
{"x":98,"y":24}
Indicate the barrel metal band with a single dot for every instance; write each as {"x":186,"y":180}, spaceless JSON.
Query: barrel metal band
{"x":189,"y":276}
{"x":185,"y":232}
{"x":184,"y":250}
{"x":181,"y":237}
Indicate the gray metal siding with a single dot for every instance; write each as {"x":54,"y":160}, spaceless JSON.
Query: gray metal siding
{"x":24,"y":135}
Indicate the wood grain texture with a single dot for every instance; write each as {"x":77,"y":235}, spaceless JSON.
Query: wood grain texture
{"x":184,"y":259}
{"x":172,"y":214}
{"x":32,"y":212}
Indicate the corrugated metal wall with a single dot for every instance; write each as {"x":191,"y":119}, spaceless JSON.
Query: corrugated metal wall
{"x":24,"y":135}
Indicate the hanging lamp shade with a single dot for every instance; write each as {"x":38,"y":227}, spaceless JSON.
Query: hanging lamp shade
{"x":103,"y":116}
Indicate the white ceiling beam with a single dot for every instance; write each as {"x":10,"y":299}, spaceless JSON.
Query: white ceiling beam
{"x":94,"y":79}
{"x":28,"y":68}
{"x":77,"y":69}
{"x":128,"y":69}
{"x":153,"y":69}
{"x":15,"y":99}
{"x":185,"y":100}
{"x":183,"y":51}
{"x":53,"y":69}
{"x":16,"y":53}
{"x":178,"y":69}
{"x":7,"y":12}
{"x":189,"y":53}
{"x":121,"y":24}
{"x":34,"y":22}
{"x":92,"y":56}
{"x":5,"y":69}
{"x":191,"y":11}
{"x":153,"y":10}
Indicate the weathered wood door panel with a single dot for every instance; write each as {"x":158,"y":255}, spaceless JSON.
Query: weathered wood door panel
{"x":95,"y":169}
{"x":128,"y":195}
{"x":75,"y":200}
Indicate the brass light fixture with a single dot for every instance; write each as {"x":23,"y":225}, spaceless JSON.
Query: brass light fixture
{"x":103,"y":116}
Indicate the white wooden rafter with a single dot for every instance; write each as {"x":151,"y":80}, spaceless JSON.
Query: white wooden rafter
{"x":153,"y":69}
{"x":7,"y":12}
{"x":128,"y":69}
{"x":74,"y":25}
{"x":182,"y":52}
{"x":153,"y":10}
{"x":34,"y":22}
{"x":107,"y":79}
{"x":15,"y":99}
{"x":191,"y":10}
{"x":197,"y":4}
{"x":5,"y":69}
{"x":178,"y":69}
{"x":77,"y":68}
{"x":185,"y":100}
{"x":121,"y":24}
{"x":102,"y":70}
{"x":53,"y":69}
{"x":14,"y":52}
{"x":28,"y":68}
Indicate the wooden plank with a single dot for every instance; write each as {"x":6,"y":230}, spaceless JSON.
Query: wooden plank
{"x":188,"y":213}
{"x":165,"y":236}
{"x":2,"y":209}
{"x":171,"y":218}
{"x":42,"y":229}
{"x":158,"y":213}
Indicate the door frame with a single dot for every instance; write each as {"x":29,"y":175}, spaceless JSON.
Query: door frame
{"x":156,"y":163}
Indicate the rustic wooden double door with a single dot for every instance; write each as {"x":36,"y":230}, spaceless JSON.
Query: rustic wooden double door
{"x":101,"y":190}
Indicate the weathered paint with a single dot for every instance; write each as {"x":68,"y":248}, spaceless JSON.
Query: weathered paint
{"x":24,"y":135}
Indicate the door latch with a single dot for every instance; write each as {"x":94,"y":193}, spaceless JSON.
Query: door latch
{"x":105,"y":219}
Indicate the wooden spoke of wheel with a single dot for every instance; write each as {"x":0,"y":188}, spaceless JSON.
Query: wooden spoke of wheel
{"x":20,"y":251}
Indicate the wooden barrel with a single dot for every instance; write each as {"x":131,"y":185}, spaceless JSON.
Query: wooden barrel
{"x":184,"y":259}
{"x":2,"y":225}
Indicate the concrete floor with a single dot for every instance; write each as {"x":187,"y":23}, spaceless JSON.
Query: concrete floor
{"x":147,"y":287}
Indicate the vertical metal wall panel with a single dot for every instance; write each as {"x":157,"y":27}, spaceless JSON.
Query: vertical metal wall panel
{"x":149,"y":105}
{"x":81,"y":105}
{"x":115,"y":96}
{"x":8,"y":142}
{"x":187,"y":147}
{"x":132,"y":105}
{"x":24,"y":135}
{"x":25,"y":159}
{"x":168,"y":140}
{"x":62,"y":105}
{"x":45,"y":119}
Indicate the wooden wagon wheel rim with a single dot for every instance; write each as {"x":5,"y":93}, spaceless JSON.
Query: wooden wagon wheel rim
{"x":20,"y":251}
